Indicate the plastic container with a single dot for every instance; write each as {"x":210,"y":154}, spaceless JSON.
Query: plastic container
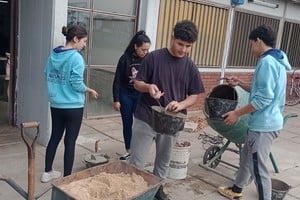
{"x":115,"y":167}
{"x":166,"y":122}
{"x":279,"y":189}
{"x":179,"y":161}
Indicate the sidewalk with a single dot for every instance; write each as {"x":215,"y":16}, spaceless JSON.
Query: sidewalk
{"x":199,"y":184}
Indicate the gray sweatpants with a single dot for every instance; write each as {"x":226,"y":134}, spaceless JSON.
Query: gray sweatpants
{"x":142,"y":138}
{"x":254,"y":162}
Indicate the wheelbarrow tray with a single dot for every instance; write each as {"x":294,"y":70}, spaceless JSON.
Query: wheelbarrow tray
{"x":114,"y":168}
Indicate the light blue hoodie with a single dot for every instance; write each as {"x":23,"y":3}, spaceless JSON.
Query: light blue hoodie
{"x":267,"y":93}
{"x":64,"y":75}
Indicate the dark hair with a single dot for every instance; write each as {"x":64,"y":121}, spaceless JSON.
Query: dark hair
{"x":264,"y":32}
{"x":138,"y":39}
{"x":74,"y":31}
{"x":186,"y":30}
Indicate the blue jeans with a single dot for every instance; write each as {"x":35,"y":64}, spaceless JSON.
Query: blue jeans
{"x":128,"y":101}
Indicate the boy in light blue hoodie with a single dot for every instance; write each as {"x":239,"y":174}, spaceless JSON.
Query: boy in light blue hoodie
{"x":266,"y":103}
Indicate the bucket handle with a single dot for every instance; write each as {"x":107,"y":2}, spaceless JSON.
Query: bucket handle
{"x":206,"y":107}
{"x":157,"y":100}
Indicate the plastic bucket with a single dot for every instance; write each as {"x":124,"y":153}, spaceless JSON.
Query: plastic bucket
{"x":279,"y":189}
{"x":179,"y":160}
{"x":166,"y":122}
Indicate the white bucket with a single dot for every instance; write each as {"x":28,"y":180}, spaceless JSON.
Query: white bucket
{"x":179,"y":160}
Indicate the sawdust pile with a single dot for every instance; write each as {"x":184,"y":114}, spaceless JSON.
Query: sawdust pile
{"x":106,"y":186}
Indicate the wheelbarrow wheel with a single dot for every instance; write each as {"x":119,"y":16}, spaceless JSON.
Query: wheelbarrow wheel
{"x":209,"y":154}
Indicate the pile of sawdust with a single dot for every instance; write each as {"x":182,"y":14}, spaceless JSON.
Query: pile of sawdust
{"x":106,"y":186}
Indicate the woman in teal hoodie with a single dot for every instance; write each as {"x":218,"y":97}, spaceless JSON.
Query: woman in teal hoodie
{"x":266,"y":103}
{"x":66,"y":93}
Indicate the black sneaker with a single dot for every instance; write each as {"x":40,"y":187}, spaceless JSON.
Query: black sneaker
{"x":160,"y":194}
{"x":125,"y":156}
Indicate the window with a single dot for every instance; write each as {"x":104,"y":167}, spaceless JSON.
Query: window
{"x":125,"y":7}
{"x":110,"y":24}
{"x":110,"y":37}
{"x":80,"y":3}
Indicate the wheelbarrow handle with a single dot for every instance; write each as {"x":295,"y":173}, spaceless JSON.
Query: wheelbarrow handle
{"x":14,"y":185}
{"x":286,"y":117}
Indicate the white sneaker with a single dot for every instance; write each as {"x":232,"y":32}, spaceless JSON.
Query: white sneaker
{"x":48,"y":176}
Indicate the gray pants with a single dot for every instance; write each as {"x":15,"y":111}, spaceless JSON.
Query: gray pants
{"x":142,"y":138}
{"x":254,"y":162}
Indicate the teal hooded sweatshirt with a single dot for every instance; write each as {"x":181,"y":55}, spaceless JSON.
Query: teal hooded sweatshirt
{"x":268,"y":90}
{"x":64,"y":75}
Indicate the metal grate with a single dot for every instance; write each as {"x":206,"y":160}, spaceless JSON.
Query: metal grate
{"x":240,"y":54}
{"x":210,"y":20}
{"x":290,"y":42}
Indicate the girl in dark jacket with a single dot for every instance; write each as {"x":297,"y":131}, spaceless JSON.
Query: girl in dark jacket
{"x":124,"y":95}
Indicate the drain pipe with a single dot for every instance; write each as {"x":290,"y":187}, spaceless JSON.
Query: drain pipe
{"x":227,"y":42}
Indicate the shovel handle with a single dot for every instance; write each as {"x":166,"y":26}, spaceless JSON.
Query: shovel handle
{"x":31,"y":156}
{"x":25,"y":125}
{"x":30,"y":124}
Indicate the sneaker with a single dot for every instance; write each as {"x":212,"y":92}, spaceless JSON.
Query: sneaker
{"x":48,"y":176}
{"x":125,"y":156}
{"x":160,"y":194}
{"x":227,"y":192}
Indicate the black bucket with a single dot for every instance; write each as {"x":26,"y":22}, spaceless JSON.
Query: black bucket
{"x":279,"y":189}
{"x":222,"y":99}
{"x":166,"y":122}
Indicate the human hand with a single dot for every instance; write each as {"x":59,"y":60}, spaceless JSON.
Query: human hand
{"x":155,"y":92}
{"x":117,"y":106}
{"x":230,"y":117}
{"x":174,"y":106}
{"x":232,"y":80}
{"x":94,"y":94}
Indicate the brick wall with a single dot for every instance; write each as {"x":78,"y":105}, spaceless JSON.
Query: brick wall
{"x":211,"y":80}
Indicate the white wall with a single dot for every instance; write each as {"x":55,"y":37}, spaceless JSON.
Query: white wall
{"x":292,"y":10}
{"x":148,"y":19}
{"x":60,"y":17}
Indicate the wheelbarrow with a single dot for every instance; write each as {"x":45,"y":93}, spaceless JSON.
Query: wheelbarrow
{"x":235,"y":133}
{"x":29,"y":195}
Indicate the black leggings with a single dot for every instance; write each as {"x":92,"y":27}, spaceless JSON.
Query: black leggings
{"x":69,"y":120}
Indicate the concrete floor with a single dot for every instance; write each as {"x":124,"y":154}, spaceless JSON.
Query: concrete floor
{"x":199,"y":183}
